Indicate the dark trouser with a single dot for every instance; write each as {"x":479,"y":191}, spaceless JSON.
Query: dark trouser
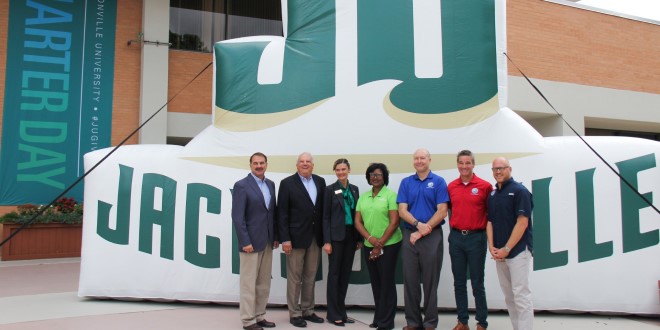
{"x":468,"y":253}
{"x":339,"y":271}
{"x":422,"y":263}
{"x":383,"y":285}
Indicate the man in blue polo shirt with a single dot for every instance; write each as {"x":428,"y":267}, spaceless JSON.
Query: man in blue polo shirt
{"x":509,"y":232}
{"x":422,"y":199}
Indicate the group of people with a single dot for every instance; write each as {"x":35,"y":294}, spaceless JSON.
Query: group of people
{"x":310,"y":217}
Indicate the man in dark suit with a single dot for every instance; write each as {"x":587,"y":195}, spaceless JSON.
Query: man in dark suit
{"x":253,"y":214}
{"x":300,"y":213}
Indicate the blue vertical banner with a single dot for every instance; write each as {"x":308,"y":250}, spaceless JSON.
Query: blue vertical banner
{"x":58,"y":95}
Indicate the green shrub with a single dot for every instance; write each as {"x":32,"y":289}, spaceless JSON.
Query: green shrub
{"x":65,"y":210}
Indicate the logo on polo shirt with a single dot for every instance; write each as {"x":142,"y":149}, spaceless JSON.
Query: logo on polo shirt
{"x":429,"y":185}
{"x":475,"y":191}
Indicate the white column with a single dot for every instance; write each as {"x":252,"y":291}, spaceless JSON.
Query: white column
{"x":154,"y":77}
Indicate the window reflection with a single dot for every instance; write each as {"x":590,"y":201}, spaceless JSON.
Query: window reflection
{"x":197,"y":24}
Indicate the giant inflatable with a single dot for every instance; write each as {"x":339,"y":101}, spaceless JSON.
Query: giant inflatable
{"x":371,"y":81}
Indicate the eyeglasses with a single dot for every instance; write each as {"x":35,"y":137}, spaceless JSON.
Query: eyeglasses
{"x":499,"y":169}
{"x":375,"y":175}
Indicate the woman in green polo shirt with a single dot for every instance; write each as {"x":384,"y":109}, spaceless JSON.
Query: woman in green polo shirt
{"x":377,"y":220}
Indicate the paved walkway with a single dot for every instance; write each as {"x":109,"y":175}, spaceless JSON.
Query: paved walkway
{"x":42,"y":294}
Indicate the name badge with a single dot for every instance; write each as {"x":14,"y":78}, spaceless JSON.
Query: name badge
{"x":337,"y":192}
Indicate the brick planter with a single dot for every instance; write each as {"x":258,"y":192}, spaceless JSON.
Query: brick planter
{"x":41,"y":241}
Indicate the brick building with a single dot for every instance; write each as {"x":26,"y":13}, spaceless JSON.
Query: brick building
{"x":600,"y":71}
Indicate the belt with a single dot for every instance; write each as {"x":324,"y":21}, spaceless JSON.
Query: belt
{"x":467,"y":232}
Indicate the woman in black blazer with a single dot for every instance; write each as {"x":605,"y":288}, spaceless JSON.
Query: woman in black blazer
{"x":340,"y":238}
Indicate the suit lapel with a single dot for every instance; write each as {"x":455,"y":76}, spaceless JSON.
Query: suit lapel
{"x":302,"y":188}
{"x":252,"y":183}
{"x":337,"y":186}
{"x":355,"y":194}
{"x":271,"y":188}
{"x":319,"y":188}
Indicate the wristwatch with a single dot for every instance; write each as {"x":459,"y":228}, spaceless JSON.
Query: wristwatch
{"x":415,"y":223}
{"x":507,"y":248}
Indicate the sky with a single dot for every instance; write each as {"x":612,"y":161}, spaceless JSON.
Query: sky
{"x":649,"y":9}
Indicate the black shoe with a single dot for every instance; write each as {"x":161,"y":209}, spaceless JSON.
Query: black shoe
{"x":338,"y":323}
{"x":298,"y":322}
{"x":348,"y":320}
{"x":253,"y":327}
{"x":266,"y":324}
{"x":373,"y":325}
{"x":313,"y":318}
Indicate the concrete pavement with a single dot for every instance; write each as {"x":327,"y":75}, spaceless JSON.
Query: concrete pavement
{"x":42,"y":294}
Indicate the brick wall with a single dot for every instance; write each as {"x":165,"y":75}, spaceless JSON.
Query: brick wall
{"x":560,"y":43}
{"x":183,"y":67}
{"x":126,"y":99}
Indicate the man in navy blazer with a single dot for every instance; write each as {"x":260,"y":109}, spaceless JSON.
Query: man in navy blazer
{"x":253,"y":214}
{"x":300,"y":212}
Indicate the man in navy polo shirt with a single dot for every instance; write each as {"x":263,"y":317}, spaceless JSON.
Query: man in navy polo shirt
{"x":422,"y":199}
{"x":509,"y":233}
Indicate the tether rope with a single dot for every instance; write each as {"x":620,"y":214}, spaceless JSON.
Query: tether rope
{"x":581,"y":138}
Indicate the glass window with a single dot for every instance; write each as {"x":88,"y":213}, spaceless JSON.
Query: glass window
{"x":197,"y":24}
{"x":614,"y":132}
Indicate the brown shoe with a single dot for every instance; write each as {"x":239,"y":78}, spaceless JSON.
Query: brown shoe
{"x":407,"y":327}
{"x":480,"y":327}
{"x":461,"y":326}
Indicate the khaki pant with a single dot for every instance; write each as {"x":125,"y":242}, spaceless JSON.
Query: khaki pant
{"x":514,"y":280}
{"x":255,"y":278}
{"x":301,"y":268}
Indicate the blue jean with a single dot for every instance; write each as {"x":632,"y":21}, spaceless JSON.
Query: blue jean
{"x":468,"y":253}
